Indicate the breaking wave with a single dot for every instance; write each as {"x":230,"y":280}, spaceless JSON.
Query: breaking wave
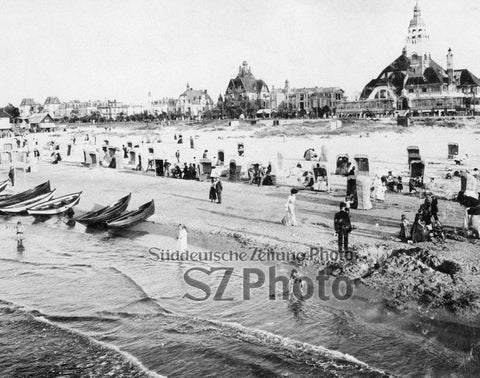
{"x":31,"y":319}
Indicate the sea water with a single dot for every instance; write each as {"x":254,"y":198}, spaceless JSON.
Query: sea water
{"x":110,"y":290}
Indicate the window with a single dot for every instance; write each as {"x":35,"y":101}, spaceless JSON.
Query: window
{"x":424,"y":90}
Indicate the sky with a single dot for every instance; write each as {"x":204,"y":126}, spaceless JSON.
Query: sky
{"x":124,"y":49}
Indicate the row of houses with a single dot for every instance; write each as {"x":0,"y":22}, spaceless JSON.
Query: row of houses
{"x":250,"y":96}
{"x":110,"y":109}
{"x":413,"y":82}
{"x":245,"y":95}
{"x":191,"y":103}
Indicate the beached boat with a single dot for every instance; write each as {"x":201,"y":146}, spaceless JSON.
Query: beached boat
{"x":24,"y":205}
{"x":26,"y":195}
{"x":56,"y":206}
{"x":105,"y":214}
{"x":3,"y":185}
{"x":133,"y":217}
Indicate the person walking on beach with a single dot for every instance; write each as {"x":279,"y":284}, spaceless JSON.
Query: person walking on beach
{"x":261,"y":175}
{"x":213,"y":190}
{"x":177,"y":155}
{"x":289,"y":219}
{"x":19,"y":231}
{"x":419,"y":231}
{"x":11,"y":175}
{"x":182,"y":238}
{"x":219,"y":188}
{"x":342,"y":226}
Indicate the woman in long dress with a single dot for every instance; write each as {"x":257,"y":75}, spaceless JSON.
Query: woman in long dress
{"x":289,"y":219}
{"x":182,"y":238}
{"x":380,"y":192}
{"x":419,"y":230}
{"x":213,"y":191}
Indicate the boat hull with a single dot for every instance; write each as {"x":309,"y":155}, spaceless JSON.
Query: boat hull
{"x":26,"y":195}
{"x":24,"y":205}
{"x":102,"y":216}
{"x":134,"y":217}
{"x":3,"y":185}
{"x":56,"y":206}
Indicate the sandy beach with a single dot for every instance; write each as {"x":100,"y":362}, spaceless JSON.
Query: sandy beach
{"x":403,"y":279}
{"x":252,"y":214}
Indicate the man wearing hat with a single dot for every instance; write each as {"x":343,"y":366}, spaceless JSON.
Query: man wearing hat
{"x":343,"y":227}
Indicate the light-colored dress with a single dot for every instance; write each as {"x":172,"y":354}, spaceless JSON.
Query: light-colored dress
{"x":380,"y":192}
{"x":182,"y":240}
{"x":289,"y":219}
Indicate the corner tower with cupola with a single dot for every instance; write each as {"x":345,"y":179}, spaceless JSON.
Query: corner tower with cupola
{"x":417,"y":46}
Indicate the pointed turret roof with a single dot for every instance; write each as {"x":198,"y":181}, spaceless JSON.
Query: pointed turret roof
{"x":417,"y":19}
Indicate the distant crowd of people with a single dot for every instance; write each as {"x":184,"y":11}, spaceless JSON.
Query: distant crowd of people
{"x":176,"y":170}
{"x":258,"y":175}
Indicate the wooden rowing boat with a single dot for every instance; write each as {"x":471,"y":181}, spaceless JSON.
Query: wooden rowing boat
{"x":56,"y":206}
{"x":26,"y":195}
{"x":133,"y":217}
{"x":105,"y":214}
{"x":24,"y":205}
{"x":3,"y":185}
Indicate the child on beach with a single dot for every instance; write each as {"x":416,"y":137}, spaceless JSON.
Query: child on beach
{"x":405,"y":230}
{"x":348,"y":202}
{"x":19,"y":230}
{"x":296,"y":281}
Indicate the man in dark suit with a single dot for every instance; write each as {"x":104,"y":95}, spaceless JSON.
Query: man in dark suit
{"x":219,"y":188}
{"x":342,"y":227}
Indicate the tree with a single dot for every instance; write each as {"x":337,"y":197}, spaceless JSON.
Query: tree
{"x":13,"y":111}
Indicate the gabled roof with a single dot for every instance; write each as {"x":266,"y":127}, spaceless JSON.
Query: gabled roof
{"x":466,"y":78}
{"x":434,"y":74}
{"x":52,"y":101}
{"x":248,"y":82}
{"x":28,"y":102}
{"x":402,"y":63}
{"x":438,"y":68}
{"x":39,"y":117}
{"x":194,"y":95}
{"x":259,"y":85}
{"x":4,"y":114}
